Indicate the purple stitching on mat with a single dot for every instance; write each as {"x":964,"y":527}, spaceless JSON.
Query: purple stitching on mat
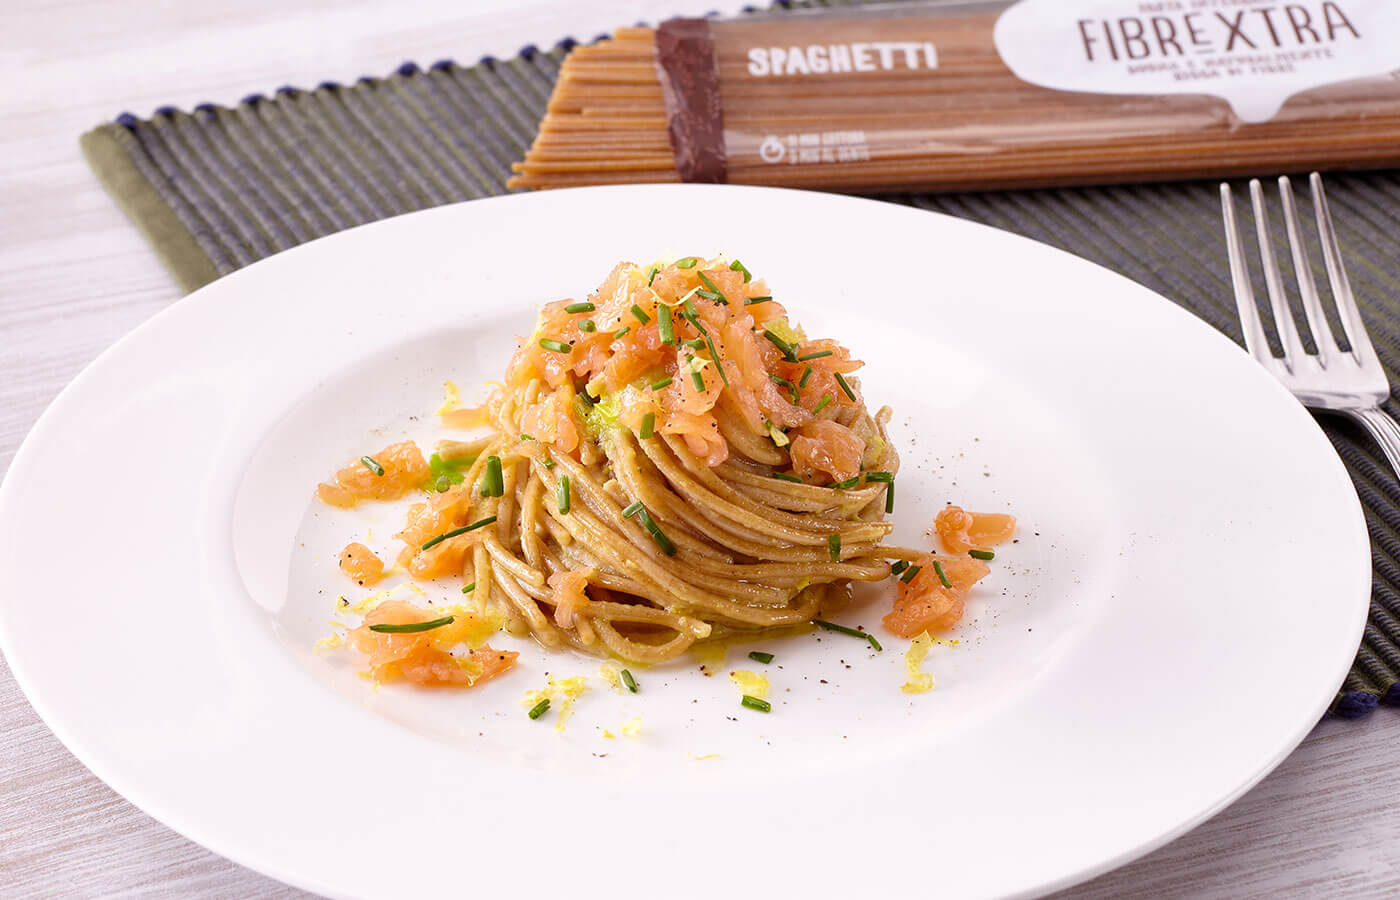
{"x":253,"y":99}
{"x":528,"y":51}
{"x":328,"y":86}
{"x":488,"y":61}
{"x":366,"y":79}
{"x":442,"y":65}
{"x":1355,"y":705}
{"x":1392,"y":695}
{"x":602,"y":37}
{"x":408,"y":68}
{"x":167,"y":110}
{"x":290,"y":90}
{"x":567,"y":43}
{"x":205,"y":107}
{"x":128,"y":121}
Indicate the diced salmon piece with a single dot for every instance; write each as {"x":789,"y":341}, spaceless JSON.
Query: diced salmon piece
{"x":925,"y":604}
{"x":404,"y":469}
{"x":960,"y":531}
{"x":823,"y":446}
{"x":360,"y":563}
{"x":569,"y":595}
{"x":423,"y":657}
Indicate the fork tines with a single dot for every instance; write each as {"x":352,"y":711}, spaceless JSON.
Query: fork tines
{"x":1329,"y":352}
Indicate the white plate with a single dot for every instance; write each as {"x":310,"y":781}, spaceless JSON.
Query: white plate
{"x":1187,"y":593}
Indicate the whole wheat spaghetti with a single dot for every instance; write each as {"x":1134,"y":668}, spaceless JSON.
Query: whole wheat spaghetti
{"x":922,"y":99}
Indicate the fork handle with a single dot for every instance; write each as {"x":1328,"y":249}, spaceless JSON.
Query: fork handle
{"x":1384,"y":429}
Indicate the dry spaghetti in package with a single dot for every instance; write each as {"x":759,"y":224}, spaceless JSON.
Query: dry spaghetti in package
{"x":952,"y":96}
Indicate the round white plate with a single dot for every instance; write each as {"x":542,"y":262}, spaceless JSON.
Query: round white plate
{"x":1187,"y":591}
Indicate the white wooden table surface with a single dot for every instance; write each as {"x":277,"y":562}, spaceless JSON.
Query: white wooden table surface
{"x":75,"y":276}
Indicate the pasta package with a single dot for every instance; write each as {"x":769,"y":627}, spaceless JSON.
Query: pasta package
{"x":965,"y":96}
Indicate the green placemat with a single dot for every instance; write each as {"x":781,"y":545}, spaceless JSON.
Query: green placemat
{"x":221,"y":187}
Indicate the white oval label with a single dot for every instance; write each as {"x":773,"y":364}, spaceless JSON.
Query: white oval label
{"x":1254,"y":55}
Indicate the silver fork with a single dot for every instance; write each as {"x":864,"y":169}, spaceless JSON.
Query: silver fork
{"x":1348,"y":382}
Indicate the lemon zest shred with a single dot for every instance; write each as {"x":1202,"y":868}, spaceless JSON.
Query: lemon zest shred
{"x":611,"y":671}
{"x":327,"y":644}
{"x":751,"y":683}
{"x":451,"y":398}
{"x":919,"y":681}
{"x":561,"y":692}
{"x":370,"y":601}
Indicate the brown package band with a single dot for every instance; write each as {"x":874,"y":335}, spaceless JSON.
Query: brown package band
{"x":909,"y":98}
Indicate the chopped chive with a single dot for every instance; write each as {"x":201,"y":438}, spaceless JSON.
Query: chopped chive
{"x":493,"y":484}
{"x":841,"y":629}
{"x":621,"y":332}
{"x":714,"y":293}
{"x":547,"y":463}
{"x":657,"y":534}
{"x":981,"y":554}
{"x":526,"y":437}
{"x":664,"y":324}
{"x":714,"y":354}
{"x":781,"y":344}
{"x":661,"y":383}
{"x":640,"y":313}
{"x":879,"y":476}
{"x":792,"y":388}
{"x":648,"y":426}
{"x":755,"y":703}
{"x":469,"y":588}
{"x":581,"y":306}
{"x":632,"y":509}
{"x":412,"y":627}
{"x":821,"y":404}
{"x":756,"y":300}
{"x":687,"y":263}
{"x":737,"y":266}
{"x":479,"y":523}
{"x":816,"y":355}
{"x":651,"y":276}
{"x":442,"y":484}
{"x":694,"y":343}
{"x":539,"y":709}
{"x":588,"y":326}
{"x":760,"y":656}
{"x":787,"y":384}
{"x":889,"y":498}
{"x":942,"y":575}
{"x":847,"y":484}
{"x":783,"y":476}
{"x":874,"y":643}
{"x":845,"y":386}
{"x":628,"y":680}
{"x":556,"y":346}
{"x":563,"y":494}
{"x":584,"y":401}
{"x":910,"y":573}
{"x":696,"y":378}
{"x":806,"y":377}
{"x":833,"y":546}
{"x":691,"y":310}
{"x":898,"y":566}
{"x":370,"y":463}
